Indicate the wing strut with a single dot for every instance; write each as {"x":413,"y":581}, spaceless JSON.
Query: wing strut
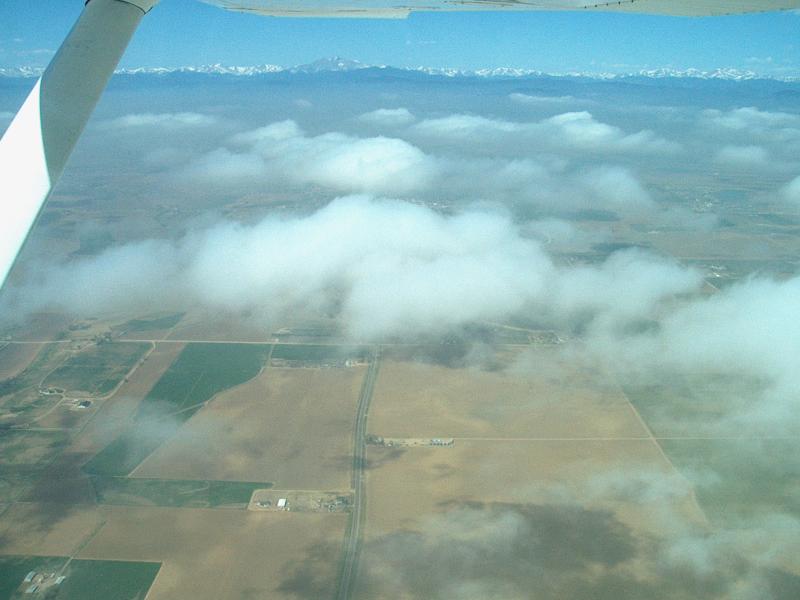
{"x":37,"y":144}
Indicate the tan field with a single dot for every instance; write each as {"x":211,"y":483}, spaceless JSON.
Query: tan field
{"x":292,"y":427}
{"x":423,"y":400}
{"x":406,"y":485}
{"x":15,"y":357}
{"x":65,"y":415}
{"x":544,"y":512}
{"x":219,"y":554}
{"x":206,"y":554}
{"x":722,"y":244}
{"x":563,"y":459}
{"x":200,"y":326}
{"x":48,"y":529}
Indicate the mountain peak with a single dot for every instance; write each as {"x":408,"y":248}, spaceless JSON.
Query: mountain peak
{"x":335,"y":63}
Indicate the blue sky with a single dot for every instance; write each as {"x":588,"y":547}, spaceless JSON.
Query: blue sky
{"x":188,"y":32}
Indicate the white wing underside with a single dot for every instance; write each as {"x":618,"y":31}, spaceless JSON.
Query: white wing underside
{"x":401,"y":8}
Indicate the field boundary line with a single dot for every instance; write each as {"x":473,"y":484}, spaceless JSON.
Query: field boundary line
{"x":667,"y":459}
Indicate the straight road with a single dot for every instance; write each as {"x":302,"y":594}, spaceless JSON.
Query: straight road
{"x":352,"y":537}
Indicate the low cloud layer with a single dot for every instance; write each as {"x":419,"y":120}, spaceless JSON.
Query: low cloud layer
{"x":537,"y":100}
{"x":754,"y":122}
{"x":742,"y":156}
{"x":162,"y":120}
{"x":526,"y":209}
{"x":386,"y":267}
{"x":393,"y":269}
{"x":282,"y":151}
{"x":283,"y":154}
{"x":388,"y":117}
{"x":571,"y":131}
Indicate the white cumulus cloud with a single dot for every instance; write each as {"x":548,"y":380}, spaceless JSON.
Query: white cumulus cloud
{"x":165,"y":120}
{"x":385,"y":267}
{"x":742,"y":156}
{"x":284,"y":152}
{"x":572,"y":130}
{"x":388,"y":117}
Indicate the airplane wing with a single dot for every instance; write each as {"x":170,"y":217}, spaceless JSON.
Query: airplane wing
{"x":37,"y":144}
{"x":401,"y":8}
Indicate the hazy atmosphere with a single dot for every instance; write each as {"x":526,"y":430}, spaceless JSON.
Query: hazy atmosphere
{"x":569,"y":303}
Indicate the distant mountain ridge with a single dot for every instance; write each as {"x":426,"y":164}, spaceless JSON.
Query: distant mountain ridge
{"x":337,"y":64}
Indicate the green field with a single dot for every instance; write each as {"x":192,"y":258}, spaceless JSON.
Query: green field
{"x":200,"y":372}
{"x":13,"y":570}
{"x":175,"y":493}
{"x":107,"y":580}
{"x":156,"y":324}
{"x":97,"y":370}
{"x":318,"y":353}
{"x":83,"y":579}
{"x":738,"y":480}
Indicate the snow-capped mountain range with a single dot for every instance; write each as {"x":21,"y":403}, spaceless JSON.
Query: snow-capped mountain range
{"x":337,"y":64}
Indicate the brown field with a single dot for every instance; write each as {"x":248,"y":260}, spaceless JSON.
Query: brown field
{"x":48,"y":529}
{"x":226,"y":554}
{"x":407,"y":484}
{"x":528,"y":509}
{"x":66,"y":416}
{"x":565,"y":505}
{"x":200,"y":326}
{"x":206,"y":554}
{"x":721,"y":244}
{"x":558,"y":456}
{"x":423,"y":400}
{"x":292,"y":427}
{"x":29,"y":448}
{"x":15,"y":357}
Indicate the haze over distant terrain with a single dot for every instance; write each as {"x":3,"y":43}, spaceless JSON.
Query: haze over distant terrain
{"x":647,"y":226}
{"x":352,"y":193}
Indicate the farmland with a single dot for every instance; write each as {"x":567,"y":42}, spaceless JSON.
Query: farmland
{"x":751,"y":477}
{"x":415,"y":399}
{"x":559,"y":361}
{"x":565,"y":453}
{"x":60,"y":578}
{"x":691,"y":406}
{"x":101,"y":579}
{"x":262,"y":552}
{"x":15,"y":357}
{"x":288,"y":426}
{"x":127,"y":491}
{"x":97,"y":370}
{"x":20,"y":400}
{"x":200,"y":372}
{"x":154,"y":324}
